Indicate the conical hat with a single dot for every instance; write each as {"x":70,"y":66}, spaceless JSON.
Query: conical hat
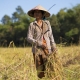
{"x":39,"y":7}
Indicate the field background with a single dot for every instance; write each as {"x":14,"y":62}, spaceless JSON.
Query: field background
{"x":17,"y":63}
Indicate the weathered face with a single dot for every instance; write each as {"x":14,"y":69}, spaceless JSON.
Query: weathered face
{"x":38,"y":14}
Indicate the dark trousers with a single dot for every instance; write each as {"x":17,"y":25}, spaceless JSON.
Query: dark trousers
{"x":40,"y":61}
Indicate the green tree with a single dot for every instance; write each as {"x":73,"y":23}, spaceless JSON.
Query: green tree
{"x":17,"y":16}
{"x":6,"y":19}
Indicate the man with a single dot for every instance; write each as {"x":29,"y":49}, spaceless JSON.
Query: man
{"x":41,"y":37}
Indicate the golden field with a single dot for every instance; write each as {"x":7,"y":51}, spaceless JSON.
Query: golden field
{"x":17,"y":63}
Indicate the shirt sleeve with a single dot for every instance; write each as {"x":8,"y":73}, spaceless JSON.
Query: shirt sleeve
{"x":30,"y":34}
{"x":53,"y":44}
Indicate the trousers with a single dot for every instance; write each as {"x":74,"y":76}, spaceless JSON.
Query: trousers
{"x":40,"y":59}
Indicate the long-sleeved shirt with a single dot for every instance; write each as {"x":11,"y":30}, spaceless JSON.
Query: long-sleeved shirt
{"x":35,"y":35}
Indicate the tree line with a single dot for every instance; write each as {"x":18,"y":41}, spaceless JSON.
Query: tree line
{"x":65,"y":26}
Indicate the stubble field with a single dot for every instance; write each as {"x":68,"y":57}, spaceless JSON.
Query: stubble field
{"x":18,"y":64}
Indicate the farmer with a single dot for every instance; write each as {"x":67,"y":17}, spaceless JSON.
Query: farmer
{"x":41,"y":37}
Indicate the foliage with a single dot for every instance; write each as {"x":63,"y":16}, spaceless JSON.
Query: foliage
{"x":6,"y":19}
{"x":72,"y":32}
{"x":65,"y":26}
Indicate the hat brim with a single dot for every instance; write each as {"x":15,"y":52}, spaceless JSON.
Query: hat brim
{"x":31,"y":12}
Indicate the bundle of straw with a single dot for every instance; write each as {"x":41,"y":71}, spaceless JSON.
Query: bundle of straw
{"x":53,"y":67}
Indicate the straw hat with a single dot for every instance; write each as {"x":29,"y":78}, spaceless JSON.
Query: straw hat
{"x":39,"y":7}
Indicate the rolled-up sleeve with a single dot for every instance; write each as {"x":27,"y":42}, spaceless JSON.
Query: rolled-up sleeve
{"x":30,"y":34}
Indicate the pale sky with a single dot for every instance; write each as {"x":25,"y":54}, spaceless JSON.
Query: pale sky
{"x":8,"y":7}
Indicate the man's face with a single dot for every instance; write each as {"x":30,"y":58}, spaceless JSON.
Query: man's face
{"x":38,"y":14}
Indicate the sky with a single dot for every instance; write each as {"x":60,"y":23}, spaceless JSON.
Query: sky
{"x":8,"y":7}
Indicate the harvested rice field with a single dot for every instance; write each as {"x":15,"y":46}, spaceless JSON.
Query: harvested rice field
{"x":18,"y":64}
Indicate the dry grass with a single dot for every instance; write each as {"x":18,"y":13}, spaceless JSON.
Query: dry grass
{"x":54,"y":67}
{"x":17,"y":63}
{"x":70,"y":57}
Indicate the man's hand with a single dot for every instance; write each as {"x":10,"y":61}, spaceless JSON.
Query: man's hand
{"x":54,"y":49}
